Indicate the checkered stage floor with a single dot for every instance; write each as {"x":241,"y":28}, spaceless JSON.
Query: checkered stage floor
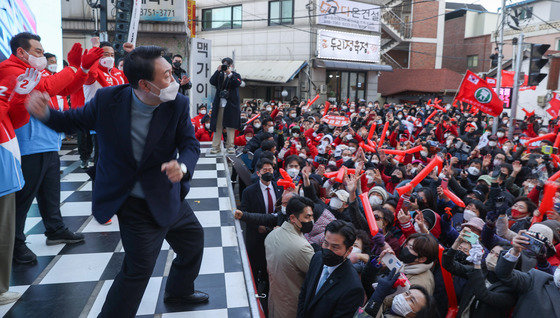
{"x":73,"y":280}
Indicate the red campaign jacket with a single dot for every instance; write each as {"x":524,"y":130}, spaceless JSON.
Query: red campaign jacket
{"x":99,"y":77}
{"x":196,"y":121}
{"x":54,"y":85}
{"x":203,"y":135}
{"x":530,"y":131}
{"x":240,"y":141}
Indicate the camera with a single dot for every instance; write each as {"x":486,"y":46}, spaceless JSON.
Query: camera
{"x":321,"y":160}
{"x":224,"y":94}
{"x":224,"y":67}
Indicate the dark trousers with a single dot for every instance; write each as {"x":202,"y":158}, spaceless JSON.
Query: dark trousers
{"x":142,"y":239}
{"x":85,"y":145}
{"x":41,"y":172}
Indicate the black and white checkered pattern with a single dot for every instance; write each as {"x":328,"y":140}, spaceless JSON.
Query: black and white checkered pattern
{"x":73,"y":280}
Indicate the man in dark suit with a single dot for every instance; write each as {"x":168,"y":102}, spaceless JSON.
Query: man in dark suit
{"x":226,"y":111}
{"x":332,"y":287}
{"x":538,"y":292}
{"x":259,"y":197}
{"x":148,"y":153}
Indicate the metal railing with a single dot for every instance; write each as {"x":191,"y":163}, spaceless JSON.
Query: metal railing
{"x":390,"y":61}
{"x":392,"y":20}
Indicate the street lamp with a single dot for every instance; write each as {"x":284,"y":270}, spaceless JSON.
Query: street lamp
{"x":284,"y":94}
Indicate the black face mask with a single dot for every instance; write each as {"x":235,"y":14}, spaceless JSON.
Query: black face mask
{"x":406,"y":256}
{"x":306,"y":227}
{"x":330,"y":258}
{"x":395,"y":179}
{"x":267,"y":177}
{"x":177,"y":64}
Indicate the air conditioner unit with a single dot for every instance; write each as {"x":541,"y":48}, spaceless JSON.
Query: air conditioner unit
{"x":322,"y":89}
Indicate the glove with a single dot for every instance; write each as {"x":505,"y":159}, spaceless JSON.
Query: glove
{"x":75,"y":55}
{"x":27,"y":81}
{"x":385,"y":286}
{"x":476,"y":252}
{"x":90,"y":57}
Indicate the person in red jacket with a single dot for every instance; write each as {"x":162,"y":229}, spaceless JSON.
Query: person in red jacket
{"x":59,"y":102}
{"x":204,"y":133}
{"x":196,"y":120}
{"x":241,"y":141}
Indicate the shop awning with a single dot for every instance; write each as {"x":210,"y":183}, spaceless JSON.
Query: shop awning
{"x":267,"y":71}
{"x":351,"y":66}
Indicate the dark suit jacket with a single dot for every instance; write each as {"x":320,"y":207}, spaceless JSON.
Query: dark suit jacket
{"x":538,"y":296}
{"x":171,"y":133}
{"x":340,"y":295}
{"x":252,"y":201}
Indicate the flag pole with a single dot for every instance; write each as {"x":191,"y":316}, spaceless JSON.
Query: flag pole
{"x":500,"y":57}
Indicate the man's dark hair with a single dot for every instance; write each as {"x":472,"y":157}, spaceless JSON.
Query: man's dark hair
{"x":425,"y":245}
{"x":263,"y":162}
{"x":227,"y":60}
{"x":430,"y":309}
{"x":49,"y":55}
{"x":267,"y":145}
{"x":22,"y":40}
{"x":292,"y":158}
{"x":105,"y":43}
{"x":343,"y":228}
{"x":531,"y":206}
{"x":297,"y":204}
{"x":139,"y":64}
{"x":177,"y":55}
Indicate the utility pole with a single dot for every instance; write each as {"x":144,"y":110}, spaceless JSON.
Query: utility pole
{"x":515,"y":93}
{"x":500,"y":56}
{"x":103,"y":35}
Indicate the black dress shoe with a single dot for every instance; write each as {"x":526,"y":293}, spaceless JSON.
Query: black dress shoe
{"x":23,"y":255}
{"x":197,"y":297}
{"x":65,"y":237}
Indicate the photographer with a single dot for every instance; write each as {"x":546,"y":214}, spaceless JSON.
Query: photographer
{"x":226,"y":111}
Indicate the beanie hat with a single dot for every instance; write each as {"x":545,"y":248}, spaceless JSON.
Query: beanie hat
{"x":379,"y":190}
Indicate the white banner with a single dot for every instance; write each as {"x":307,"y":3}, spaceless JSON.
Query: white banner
{"x":200,"y":72}
{"x":348,"y":46}
{"x":349,"y":14}
{"x":134,"y":20}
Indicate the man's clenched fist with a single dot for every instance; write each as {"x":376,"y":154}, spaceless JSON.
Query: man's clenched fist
{"x":38,"y":105}
{"x":173,"y":171}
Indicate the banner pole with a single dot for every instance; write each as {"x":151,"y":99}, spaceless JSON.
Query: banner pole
{"x":515,"y":93}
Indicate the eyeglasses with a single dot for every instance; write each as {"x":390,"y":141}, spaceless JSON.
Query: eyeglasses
{"x":377,"y":217}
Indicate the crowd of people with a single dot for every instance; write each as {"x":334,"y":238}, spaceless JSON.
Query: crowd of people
{"x":352,"y":209}
{"x":488,"y":249}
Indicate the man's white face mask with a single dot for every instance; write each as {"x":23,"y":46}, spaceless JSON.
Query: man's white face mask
{"x":168,"y":93}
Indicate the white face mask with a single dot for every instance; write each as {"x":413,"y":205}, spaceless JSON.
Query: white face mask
{"x":38,"y":63}
{"x":473,"y":171}
{"x":52,"y":68}
{"x":557,"y":277}
{"x":203,"y":112}
{"x":268,"y":109}
{"x":469,"y":214}
{"x":293,"y":115}
{"x":303,"y":155}
{"x":332,"y":163}
{"x":497,"y":162}
{"x":348,"y":137}
{"x":369,"y":180}
{"x":375,"y":200}
{"x":270,"y":129}
{"x":356,"y":250}
{"x":283,"y":209}
{"x":293,"y":172}
{"x":167,"y":94}
{"x":417,"y":228}
{"x":107,"y":62}
{"x":346,"y":158}
{"x":296,"y":135}
{"x":352,"y":149}
{"x":335,"y":203}
{"x":207,"y":126}
{"x":424,"y":153}
{"x":500,"y":134}
{"x":492,"y":143}
{"x":400,"y":306}
{"x":257,"y":125}
{"x":248,"y":138}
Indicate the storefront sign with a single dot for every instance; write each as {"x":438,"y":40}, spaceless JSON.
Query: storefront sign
{"x":160,"y":10}
{"x":191,"y":15}
{"x":200,"y":63}
{"x":348,"y":46}
{"x":349,"y":14}
{"x":505,"y":95}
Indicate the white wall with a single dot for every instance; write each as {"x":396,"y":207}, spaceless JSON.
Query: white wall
{"x":477,"y":23}
{"x":49,"y":26}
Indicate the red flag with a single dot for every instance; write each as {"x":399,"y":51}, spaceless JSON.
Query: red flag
{"x":475,"y":91}
{"x":554,"y":109}
{"x":491,"y":81}
{"x":507,"y":79}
